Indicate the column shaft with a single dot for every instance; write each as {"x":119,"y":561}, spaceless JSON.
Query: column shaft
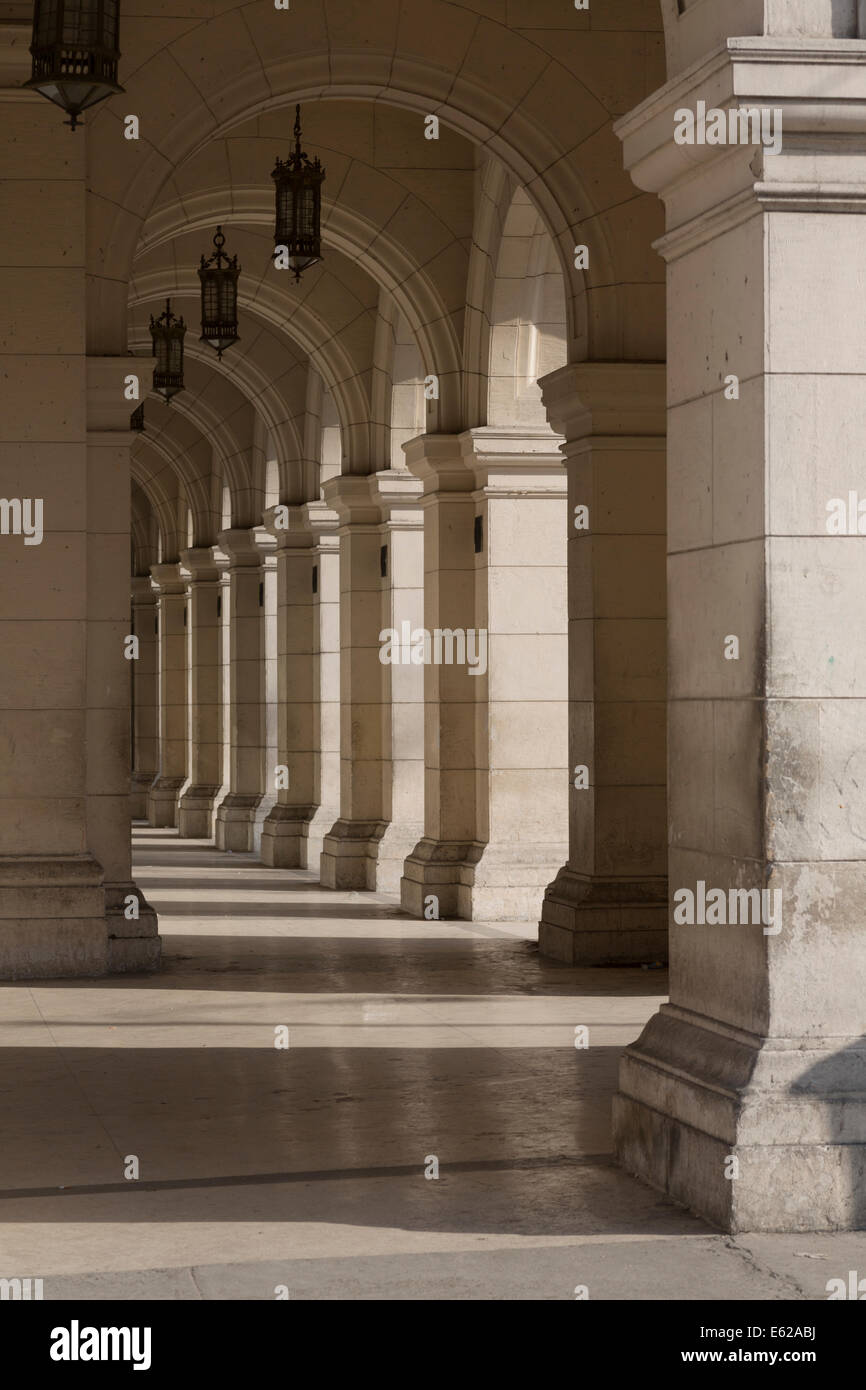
{"x":173,"y":678}
{"x":608,"y":904}
{"x":204,"y":642}
{"x":145,"y":695}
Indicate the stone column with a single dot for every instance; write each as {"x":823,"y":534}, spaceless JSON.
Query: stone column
{"x":204,"y":645}
{"x":381,"y":743}
{"x":163,"y":797}
{"x":293,"y":832}
{"x":245,"y":718}
{"x":521,"y":689}
{"x":322,"y":521}
{"x":133,"y":943}
{"x":608,"y":904}
{"x":64,"y":569}
{"x":267,"y":548}
{"x":145,"y":696}
{"x":745,"y":1097}
{"x":401,"y":545}
{"x":444,"y":857}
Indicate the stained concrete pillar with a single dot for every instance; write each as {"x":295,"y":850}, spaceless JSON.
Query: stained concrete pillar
{"x":245,"y":716}
{"x":444,"y":857}
{"x":521,"y":689}
{"x":608,"y":903}
{"x":204,"y":726}
{"x":162,"y":801}
{"x":145,"y":695}
{"x":307,"y":561}
{"x":745,"y":1097}
{"x":380,"y":745}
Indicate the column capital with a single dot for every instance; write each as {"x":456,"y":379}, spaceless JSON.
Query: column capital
{"x":391,"y":495}
{"x":516,"y":460}
{"x":323,"y":523}
{"x":200,"y":561}
{"x":142,"y":589}
{"x":607,"y":398}
{"x":241,"y":547}
{"x":167,"y":579}
{"x":817,"y":163}
{"x":438,"y":460}
{"x":108,"y":410}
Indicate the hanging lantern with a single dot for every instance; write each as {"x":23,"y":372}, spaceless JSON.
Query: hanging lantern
{"x":298,"y":232}
{"x":75,"y":53}
{"x":219,"y":297}
{"x":136,"y":420}
{"x":168,"y":333}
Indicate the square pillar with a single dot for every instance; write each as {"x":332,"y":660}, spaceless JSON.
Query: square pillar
{"x":52,"y":896}
{"x":361,"y":851}
{"x":521,"y":691}
{"x":745,"y":1096}
{"x":608,"y":903}
{"x":162,"y":801}
{"x":204,"y":642}
{"x":132,"y":943}
{"x":307,"y":723}
{"x":145,"y":696}
{"x":444,"y":857}
{"x":245,"y":715}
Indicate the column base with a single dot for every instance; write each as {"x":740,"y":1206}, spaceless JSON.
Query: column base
{"x":695,"y":1094}
{"x":604,"y":921}
{"x":52,"y":917}
{"x":434,"y":869}
{"x":349,"y":854}
{"x":293,"y":836}
{"x":479,"y":883}
{"x":395,"y":846}
{"x":162,"y":802}
{"x":133,"y":943}
{"x":195,"y":812}
{"x":234,"y":829}
{"x":138,"y":794}
{"x":263,"y":811}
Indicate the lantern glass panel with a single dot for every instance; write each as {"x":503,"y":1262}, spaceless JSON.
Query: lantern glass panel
{"x":175,"y":356}
{"x":211,"y":301}
{"x":307,"y":212}
{"x":285,"y":211}
{"x":228,"y":299}
{"x":46,"y":23}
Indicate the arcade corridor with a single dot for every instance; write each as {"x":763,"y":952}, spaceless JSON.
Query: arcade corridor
{"x":304,"y":1167}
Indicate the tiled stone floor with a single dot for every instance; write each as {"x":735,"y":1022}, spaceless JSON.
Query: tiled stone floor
{"x":304,"y":1166}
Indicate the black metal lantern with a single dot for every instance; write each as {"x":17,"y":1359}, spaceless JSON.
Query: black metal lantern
{"x":299,"y":206}
{"x":136,"y":420}
{"x":168,"y":333}
{"x":219,"y":297}
{"x":75,"y":53}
